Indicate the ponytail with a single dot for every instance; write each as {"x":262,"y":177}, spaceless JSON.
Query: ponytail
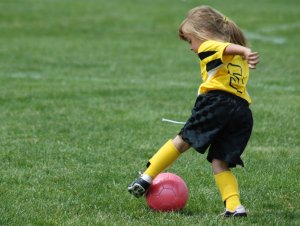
{"x":233,"y":33}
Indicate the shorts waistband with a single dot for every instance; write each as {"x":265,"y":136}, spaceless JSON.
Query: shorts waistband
{"x":230,"y":95}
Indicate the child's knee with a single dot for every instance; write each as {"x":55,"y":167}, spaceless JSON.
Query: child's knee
{"x":219,"y":166}
{"x":180,"y":144}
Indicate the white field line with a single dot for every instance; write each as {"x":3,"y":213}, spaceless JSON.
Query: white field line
{"x":31,"y":75}
{"x":172,"y":121}
{"x":281,"y":27}
{"x":265,"y":38}
{"x":262,"y":33}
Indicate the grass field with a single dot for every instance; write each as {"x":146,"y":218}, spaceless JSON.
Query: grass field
{"x":84,"y":85}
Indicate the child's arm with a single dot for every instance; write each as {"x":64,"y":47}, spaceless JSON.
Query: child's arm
{"x":251,"y":57}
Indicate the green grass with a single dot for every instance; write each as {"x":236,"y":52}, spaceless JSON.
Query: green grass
{"x":84,"y":85}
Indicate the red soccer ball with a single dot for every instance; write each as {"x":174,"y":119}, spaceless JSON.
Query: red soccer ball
{"x":168,"y":192}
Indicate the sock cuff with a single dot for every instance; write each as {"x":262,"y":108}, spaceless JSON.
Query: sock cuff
{"x":173,"y":147}
{"x":162,"y":159}
{"x":224,"y":173}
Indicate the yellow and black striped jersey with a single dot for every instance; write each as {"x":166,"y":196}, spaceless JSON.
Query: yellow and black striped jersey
{"x":229,"y":73}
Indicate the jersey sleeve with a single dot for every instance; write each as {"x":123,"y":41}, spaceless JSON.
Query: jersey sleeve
{"x":211,"y":53}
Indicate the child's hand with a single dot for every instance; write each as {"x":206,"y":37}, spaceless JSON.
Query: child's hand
{"x":252,"y":58}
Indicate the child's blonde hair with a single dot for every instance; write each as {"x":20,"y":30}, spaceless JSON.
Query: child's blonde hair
{"x":207,"y":23}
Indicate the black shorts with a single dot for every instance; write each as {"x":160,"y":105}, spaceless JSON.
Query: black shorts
{"x":221,"y":121}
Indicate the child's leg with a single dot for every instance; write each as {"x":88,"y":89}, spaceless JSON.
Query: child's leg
{"x":163,"y":158}
{"x":227,"y":184}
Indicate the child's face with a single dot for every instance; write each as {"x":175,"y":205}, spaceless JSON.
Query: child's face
{"x":194,"y":43}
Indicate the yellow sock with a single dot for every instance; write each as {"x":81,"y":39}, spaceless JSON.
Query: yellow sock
{"x":228,"y":187}
{"x":163,"y":158}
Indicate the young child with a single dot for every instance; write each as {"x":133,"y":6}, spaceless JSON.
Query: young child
{"x":221,"y":120}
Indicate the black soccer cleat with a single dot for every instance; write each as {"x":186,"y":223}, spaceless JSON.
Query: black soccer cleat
{"x":238,"y":212}
{"x":138,"y":187}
